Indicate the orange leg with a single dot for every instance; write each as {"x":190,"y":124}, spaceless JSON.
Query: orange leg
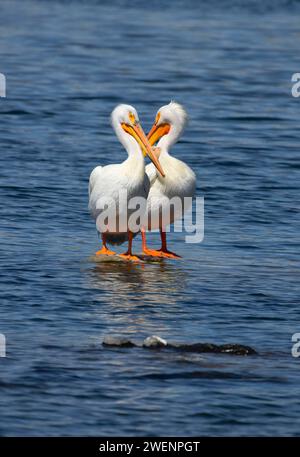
{"x":163,"y":250}
{"x":147,"y":251}
{"x":104,"y":250}
{"x":128,"y":254}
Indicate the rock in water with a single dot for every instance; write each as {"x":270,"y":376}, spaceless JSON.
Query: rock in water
{"x":236,"y":349}
{"x":154,"y":342}
{"x":118,"y":342}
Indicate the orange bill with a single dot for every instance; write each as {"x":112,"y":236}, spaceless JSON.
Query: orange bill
{"x":138,"y":134}
{"x":157,"y":132}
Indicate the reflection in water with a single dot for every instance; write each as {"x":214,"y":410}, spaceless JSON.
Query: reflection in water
{"x":133,"y":294}
{"x":159,"y":283}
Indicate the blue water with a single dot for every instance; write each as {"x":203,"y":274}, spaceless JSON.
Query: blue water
{"x":67,"y":64}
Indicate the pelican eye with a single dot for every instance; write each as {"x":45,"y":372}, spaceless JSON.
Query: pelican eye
{"x":157,"y":118}
{"x":132,"y":118}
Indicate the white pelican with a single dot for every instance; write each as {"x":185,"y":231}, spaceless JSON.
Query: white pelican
{"x":107,"y":182}
{"x":180,"y":180}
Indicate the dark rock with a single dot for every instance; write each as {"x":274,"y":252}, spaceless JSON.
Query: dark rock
{"x":236,"y":349}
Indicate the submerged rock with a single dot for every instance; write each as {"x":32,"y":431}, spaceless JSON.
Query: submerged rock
{"x":118,"y":341}
{"x":154,"y":342}
{"x":237,"y":349}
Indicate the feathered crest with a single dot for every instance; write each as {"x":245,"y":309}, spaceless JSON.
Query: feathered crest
{"x":179,"y":111}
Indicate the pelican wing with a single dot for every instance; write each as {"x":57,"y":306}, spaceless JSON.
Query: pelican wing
{"x":107,"y":182}
{"x":94,"y":176}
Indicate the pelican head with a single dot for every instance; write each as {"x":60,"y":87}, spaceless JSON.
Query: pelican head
{"x":169,"y":123}
{"x":125,"y":121}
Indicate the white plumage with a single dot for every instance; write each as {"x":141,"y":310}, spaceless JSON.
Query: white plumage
{"x":180,"y":180}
